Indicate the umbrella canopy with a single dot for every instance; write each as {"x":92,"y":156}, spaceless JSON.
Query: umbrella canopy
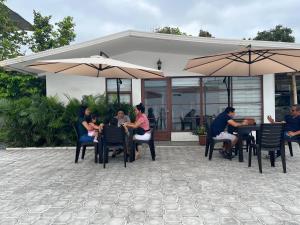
{"x":97,"y":66}
{"x":247,"y":62}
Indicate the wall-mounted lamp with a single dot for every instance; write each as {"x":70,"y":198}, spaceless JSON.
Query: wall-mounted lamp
{"x":158,"y":64}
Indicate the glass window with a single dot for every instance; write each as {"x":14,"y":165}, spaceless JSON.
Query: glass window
{"x":246,"y":97}
{"x":125,"y":90}
{"x":156,"y":103}
{"x":185,"y":103}
{"x":283,"y":97}
{"x":215,"y":95}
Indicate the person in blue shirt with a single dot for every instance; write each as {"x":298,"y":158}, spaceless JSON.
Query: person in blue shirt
{"x":221,"y":122}
{"x":292,"y":124}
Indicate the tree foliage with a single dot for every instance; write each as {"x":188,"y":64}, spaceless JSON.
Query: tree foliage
{"x":11,"y":38}
{"x":169,"y":30}
{"x":46,"y":37}
{"x":203,"y":33}
{"x":279,"y":33}
{"x":14,"y":85}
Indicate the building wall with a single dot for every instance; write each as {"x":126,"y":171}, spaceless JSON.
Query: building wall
{"x":268,"y":96}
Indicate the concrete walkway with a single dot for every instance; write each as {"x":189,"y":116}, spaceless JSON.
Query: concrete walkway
{"x":181,"y":187}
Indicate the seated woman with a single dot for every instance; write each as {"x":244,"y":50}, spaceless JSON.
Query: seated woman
{"x":84,"y":128}
{"x":121,"y":117}
{"x":140,"y":127}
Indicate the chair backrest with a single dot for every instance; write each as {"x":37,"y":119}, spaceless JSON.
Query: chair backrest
{"x":152,"y":134}
{"x":77,"y":130}
{"x":208,"y":121}
{"x":113,"y":135}
{"x":271,"y":135}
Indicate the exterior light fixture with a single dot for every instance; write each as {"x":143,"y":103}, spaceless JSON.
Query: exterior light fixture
{"x":158,"y":64}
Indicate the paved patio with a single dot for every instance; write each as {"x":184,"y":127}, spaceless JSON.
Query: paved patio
{"x":181,"y":187}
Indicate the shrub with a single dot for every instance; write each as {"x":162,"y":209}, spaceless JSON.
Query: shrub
{"x":45,"y":121}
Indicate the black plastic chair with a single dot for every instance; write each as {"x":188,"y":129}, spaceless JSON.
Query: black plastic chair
{"x":149,"y":142}
{"x":184,"y":124}
{"x":210,"y":140}
{"x":112,"y":137}
{"x":270,"y":139}
{"x":83,"y":145}
{"x":289,"y":142}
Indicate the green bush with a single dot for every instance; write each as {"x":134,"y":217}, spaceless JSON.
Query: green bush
{"x":45,"y":121}
{"x":14,"y":85}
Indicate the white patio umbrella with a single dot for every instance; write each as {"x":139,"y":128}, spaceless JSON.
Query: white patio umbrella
{"x":246,"y":62}
{"x":97,"y":66}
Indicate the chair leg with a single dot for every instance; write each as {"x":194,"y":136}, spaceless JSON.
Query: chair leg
{"x":96,"y":146}
{"x":290,"y":148}
{"x":83,"y":152}
{"x":78,"y":146}
{"x":152,"y":149}
{"x":125,"y":154}
{"x":250,"y":156}
{"x":211,"y":149}
{"x":206,"y":147}
{"x":272,"y":158}
{"x":283,"y":159}
{"x":259,"y":160}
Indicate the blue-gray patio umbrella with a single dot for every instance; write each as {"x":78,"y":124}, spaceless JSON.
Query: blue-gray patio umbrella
{"x":98,"y":66}
{"x":246,"y":62}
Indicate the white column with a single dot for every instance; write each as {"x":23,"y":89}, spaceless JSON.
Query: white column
{"x":268,"y":96}
{"x":136,"y":91}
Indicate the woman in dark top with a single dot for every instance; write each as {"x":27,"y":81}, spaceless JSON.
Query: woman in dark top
{"x":83,"y":126}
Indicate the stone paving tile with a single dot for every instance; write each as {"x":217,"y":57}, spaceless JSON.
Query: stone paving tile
{"x":45,"y":187}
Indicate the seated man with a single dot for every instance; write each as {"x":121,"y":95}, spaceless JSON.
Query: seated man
{"x":190,"y":119}
{"x":292,"y":125}
{"x":220,"y":123}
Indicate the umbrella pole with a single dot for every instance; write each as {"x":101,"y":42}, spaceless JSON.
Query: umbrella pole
{"x":118,"y":90}
{"x":294,"y":88}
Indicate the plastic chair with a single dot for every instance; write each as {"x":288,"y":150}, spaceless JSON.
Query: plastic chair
{"x":149,"y":142}
{"x":112,"y":137}
{"x":84,"y":145}
{"x":270,"y":139}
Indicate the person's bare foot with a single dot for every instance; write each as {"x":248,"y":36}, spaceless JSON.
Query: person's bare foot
{"x":138,"y":152}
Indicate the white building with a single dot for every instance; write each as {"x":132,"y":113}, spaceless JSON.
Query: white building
{"x":180,"y":92}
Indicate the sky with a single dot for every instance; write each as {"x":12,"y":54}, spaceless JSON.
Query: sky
{"x":234,"y":19}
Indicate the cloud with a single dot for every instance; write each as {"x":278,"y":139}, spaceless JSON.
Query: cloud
{"x":223,"y":19}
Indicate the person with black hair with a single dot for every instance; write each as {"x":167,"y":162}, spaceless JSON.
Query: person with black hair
{"x":151,"y":117}
{"x":82,"y":124}
{"x":121,"y":117}
{"x":220,"y":123}
{"x":140,"y":127}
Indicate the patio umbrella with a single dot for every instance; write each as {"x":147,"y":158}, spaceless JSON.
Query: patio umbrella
{"x":97,"y":66}
{"x":246,"y":62}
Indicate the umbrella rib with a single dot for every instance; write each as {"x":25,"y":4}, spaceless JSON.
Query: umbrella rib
{"x":238,"y":57}
{"x":275,"y":53}
{"x":220,"y":68}
{"x":41,"y":64}
{"x":283,"y":64}
{"x":71,"y":67}
{"x":192,"y":67}
{"x":126,"y":72}
{"x":147,"y":71}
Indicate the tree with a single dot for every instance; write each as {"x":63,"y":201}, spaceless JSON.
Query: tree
{"x":203,"y":33}
{"x":46,"y":37}
{"x":11,"y":38}
{"x":169,"y":30}
{"x":279,"y":33}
